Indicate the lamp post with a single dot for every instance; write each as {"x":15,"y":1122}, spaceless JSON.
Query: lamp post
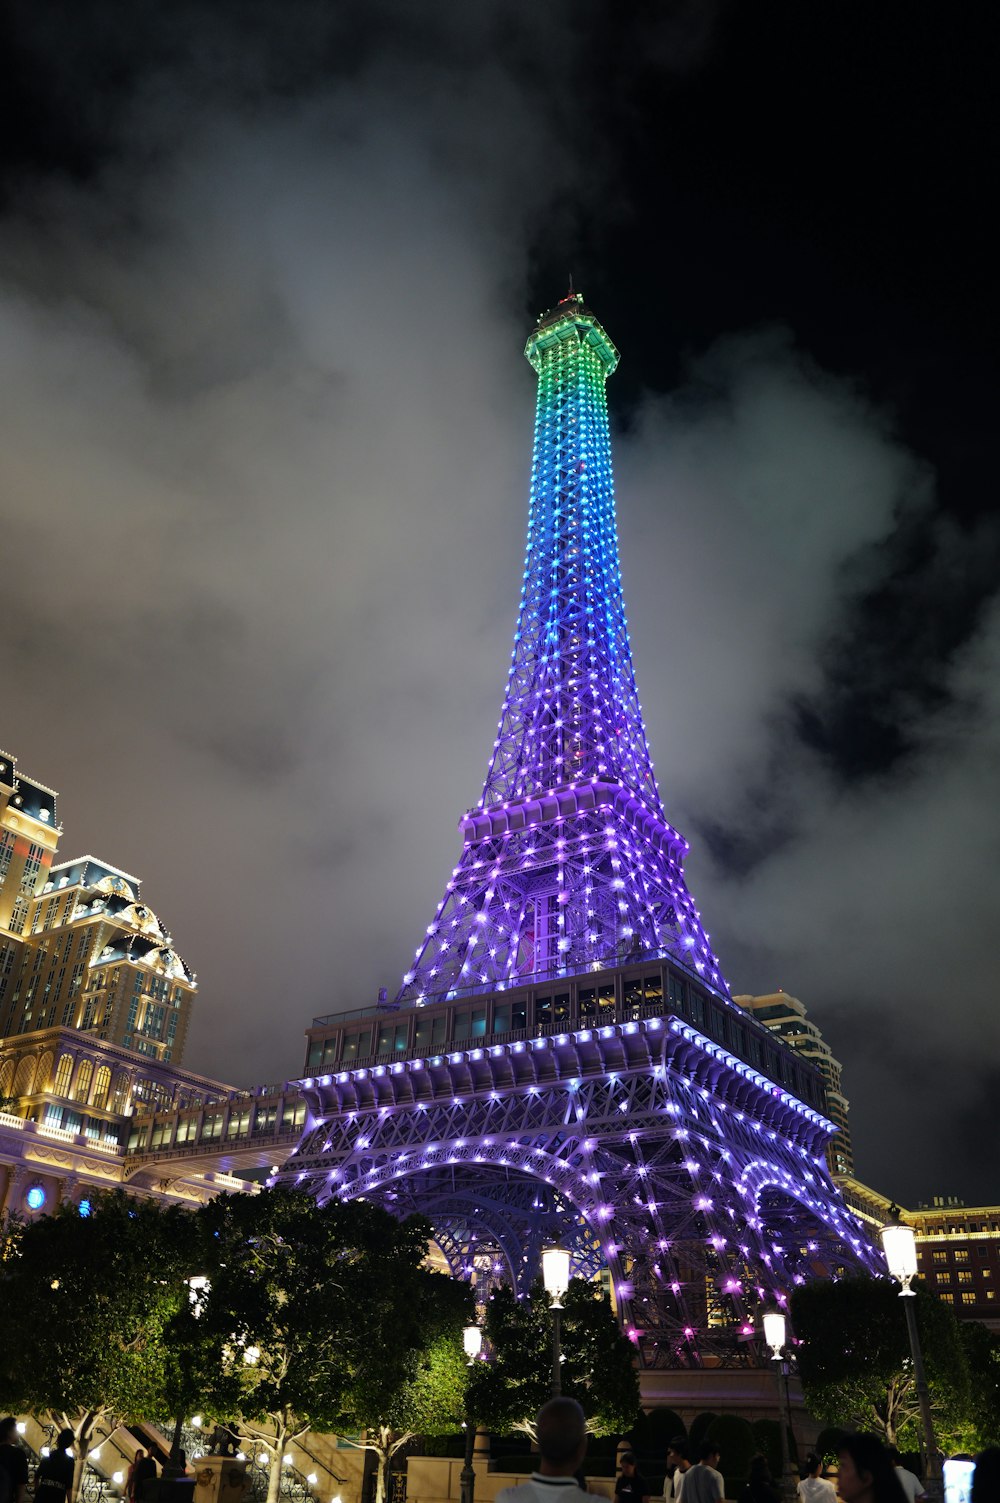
{"x":900,"y":1247}
{"x":472,"y":1340}
{"x":555,"y":1276}
{"x":775,"y":1332}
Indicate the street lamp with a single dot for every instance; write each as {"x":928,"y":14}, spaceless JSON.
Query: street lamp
{"x":775,"y":1333}
{"x":472,"y":1341}
{"x":900,"y":1247}
{"x":555,"y":1276}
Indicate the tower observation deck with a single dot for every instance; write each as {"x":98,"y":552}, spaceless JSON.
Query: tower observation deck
{"x":563,"y":1058}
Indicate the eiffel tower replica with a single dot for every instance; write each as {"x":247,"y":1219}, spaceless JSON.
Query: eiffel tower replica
{"x":564,"y":1058}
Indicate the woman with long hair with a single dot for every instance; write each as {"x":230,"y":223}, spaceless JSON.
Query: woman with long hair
{"x":867,"y":1474}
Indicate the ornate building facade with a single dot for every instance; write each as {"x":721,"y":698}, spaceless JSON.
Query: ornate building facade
{"x":786,"y":1016}
{"x":78,"y":946}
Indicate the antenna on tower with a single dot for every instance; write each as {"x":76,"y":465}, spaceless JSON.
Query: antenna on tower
{"x":572,"y":295}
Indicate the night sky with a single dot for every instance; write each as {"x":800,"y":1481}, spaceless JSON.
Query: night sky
{"x":266,"y":272}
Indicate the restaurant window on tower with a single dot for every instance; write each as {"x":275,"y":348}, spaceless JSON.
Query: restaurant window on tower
{"x":509,"y":1017}
{"x":470,"y":1023}
{"x":357,"y":1045}
{"x":392,"y":1038}
{"x":431,"y":1033}
{"x":552,"y":1012}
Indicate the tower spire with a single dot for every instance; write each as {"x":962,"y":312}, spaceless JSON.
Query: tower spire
{"x":568,"y":862}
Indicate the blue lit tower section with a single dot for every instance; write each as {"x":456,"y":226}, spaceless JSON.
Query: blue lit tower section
{"x":568,"y":862}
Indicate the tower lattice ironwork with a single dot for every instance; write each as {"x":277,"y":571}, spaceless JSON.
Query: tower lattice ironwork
{"x":568,"y":859}
{"x":564,"y":1057}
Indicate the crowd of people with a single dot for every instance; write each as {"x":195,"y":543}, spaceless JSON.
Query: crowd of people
{"x":867,"y":1471}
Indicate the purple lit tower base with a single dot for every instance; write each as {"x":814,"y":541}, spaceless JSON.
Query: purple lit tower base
{"x":564,"y":1057}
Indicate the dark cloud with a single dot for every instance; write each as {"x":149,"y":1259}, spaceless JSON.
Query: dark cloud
{"x":264,"y":446}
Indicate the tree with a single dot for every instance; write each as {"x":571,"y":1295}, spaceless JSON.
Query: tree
{"x":854,"y":1359}
{"x":87,"y":1302}
{"x":507,"y":1391}
{"x":427,"y":1395}
{"x":982,"y":1355}
{"x":314,"y":1311}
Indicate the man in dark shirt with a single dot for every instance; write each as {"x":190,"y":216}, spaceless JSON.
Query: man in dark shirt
{"x":54,"y":1477}
{"x":14,"y":1483}
{"x":630,"y":1487}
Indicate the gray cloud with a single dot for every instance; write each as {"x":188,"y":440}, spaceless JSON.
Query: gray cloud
{"x":264,"y":446}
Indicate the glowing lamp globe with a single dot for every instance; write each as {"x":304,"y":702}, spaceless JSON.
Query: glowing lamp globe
{"x":472,"y":1340}
{"x":774,"y":1330}
{"x":900,"y":1247}
{"x":555,"y":1272}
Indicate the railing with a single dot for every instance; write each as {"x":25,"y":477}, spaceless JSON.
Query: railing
{"x":197,"y":1147}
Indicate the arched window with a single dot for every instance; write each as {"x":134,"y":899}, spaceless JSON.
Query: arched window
{"x":24,"y":1076}
{"x":84,"y":1075}
{"x":44,"y":1073}
{"x":122,"y":1092}
{"x":64,"y":1071}
{"x":6,"y":1077}
{"x":102,"y":1082}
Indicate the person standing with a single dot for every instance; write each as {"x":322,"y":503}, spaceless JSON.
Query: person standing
{"x":561,"y":1433}
{"x":814,"y":1487}
{"x":630,"y":1487}
{"x":759,"y":1486}
{"x":54,"y":1477}
{"x":703,"y":1483}
{"x":678,"y":1466}
{"x":13,"y":1464}
{"x":143,"y":1473}
{"x":866,"y":1474}
{"x":908,"y":1481}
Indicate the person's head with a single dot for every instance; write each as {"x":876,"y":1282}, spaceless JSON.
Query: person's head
{"x":709,"y":1453}
{"x":8,"y":1430}
{"x":814,"y":1464}
{"x":139,"y":1454}
{"x":64,"y":1441}
{"x":866,"y":1471}
{"x":676,"y":1451}
{"x":627,"y":1463}
{"x":894,"y":1456}
{"x":759,"y":1472}
{"x":986,"y":1477}
{"x":561,"y":1430}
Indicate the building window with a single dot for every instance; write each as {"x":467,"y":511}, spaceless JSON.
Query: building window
{"x":102,"y":1084}
{"x":431,"y":1034}
{"x":964,"y":1276}
{"x":83,"y":1079}
{"x":357,"y":1045}
{"x":968,"y":1298}
{"x":508,"y":1016}
{"x":392,"y":1038}
{"x":961,"y":1255}
{"x":939,"y":1257}
{"x":63,"y":1072}
{"x":942,"y":1278}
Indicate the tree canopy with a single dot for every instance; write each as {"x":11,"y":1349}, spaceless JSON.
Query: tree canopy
{"x":87,"y":1302}
{"x":321,"y":1316}
{"x":598,"y":1368}
{"x":855,"y":1363}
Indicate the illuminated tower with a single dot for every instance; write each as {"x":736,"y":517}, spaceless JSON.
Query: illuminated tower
{"x":564,"y":1059}
{"x":568,"y":860}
